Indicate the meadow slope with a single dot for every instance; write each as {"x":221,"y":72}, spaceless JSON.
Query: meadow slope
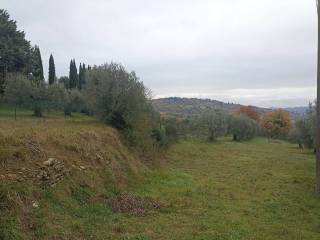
{"x":222,"y":190}
{"x":227,"y":190}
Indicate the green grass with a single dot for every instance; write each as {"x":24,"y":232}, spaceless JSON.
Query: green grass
{"x":225,"y":190}
{"x":7,"y":113}
{"x":220,"y":191}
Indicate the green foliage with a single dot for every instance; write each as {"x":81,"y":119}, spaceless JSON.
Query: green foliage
{"x":3,"y":75}
{"x":82,"y":76}
{"x":172,"y":129}
{"x":37,"y":67}
{"x":120,"y":99}
{"x":40,"y":100}
{"x":160,"y":136}
{"x":64,"y":80}
{"x":15,"y":50}
{"x":18,"y":91}
{"x":243,"y":128}
{"x":215,"y":122}
{"x":73,"y":75}
{"x":303,"y":132}
{"x":73,"y":102}
{"x":52,"y":71}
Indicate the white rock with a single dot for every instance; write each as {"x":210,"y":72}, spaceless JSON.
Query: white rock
{"x":49,"y":162}
{"x":35,"y":204}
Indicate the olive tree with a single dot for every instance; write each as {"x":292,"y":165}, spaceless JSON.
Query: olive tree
{"x":120,"y":99}
{"x":18,"y":90}
{"x":243,"y":128}
{"x":215,"y":122}
{"x":303,"y":132}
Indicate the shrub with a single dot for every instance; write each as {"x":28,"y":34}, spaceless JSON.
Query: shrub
{"x":171,"y":126}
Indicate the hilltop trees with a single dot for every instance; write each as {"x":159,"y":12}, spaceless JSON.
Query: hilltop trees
{"x":276,"y":124}
{"x":52,"y":71}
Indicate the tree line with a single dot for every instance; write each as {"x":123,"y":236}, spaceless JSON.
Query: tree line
{"x":120,"y":99}
{"x":108,"y":92}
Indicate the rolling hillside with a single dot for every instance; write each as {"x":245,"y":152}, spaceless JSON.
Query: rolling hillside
{"x":183,"y":107}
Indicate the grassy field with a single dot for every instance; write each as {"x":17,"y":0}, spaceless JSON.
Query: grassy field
{"x":207,"y":191}
{"x":227,"y":190}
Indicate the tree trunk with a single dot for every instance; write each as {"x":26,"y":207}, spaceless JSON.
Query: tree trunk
{"x":235,"y":138}
{"x":318,"y":113}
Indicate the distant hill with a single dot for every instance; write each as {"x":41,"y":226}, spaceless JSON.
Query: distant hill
{"x":299,"y":111}
{"x":194,"y":106}
{"x":183,"y":107}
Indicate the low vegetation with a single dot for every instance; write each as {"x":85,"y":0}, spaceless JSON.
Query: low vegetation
{"x":257,"y":189}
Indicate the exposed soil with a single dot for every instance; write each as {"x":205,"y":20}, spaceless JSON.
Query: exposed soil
{"x":133,"y":205}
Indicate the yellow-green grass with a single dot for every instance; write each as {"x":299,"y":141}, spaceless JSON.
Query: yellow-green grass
{"x":227,"y":190}
{"x":101,"y":166}
{"x":210,"y":191}
{"x":7,"y":113}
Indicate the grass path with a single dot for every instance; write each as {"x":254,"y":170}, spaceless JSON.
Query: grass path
{"x":227,"y":190}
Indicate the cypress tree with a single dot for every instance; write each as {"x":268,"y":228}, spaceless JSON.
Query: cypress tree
{"x":76,"y":76}
{"x":38,"y":67}
{"x":82,"y":76}
{"x":70,"y":74}
{"x":73,"y":75}
{"x":52,"y":70}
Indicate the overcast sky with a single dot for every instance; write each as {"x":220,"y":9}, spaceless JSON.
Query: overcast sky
{"x":260,"y":52}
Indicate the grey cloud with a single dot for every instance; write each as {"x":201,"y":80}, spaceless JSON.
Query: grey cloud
{"x":182,"y":47}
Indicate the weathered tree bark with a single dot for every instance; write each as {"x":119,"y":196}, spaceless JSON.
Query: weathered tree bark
{"x":318,"y":111}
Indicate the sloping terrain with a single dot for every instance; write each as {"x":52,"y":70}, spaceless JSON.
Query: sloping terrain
{"x":194,"y":106}
{"x":52,"y":166}
{"x":182,"y":107}
{"x":259,"y":190}
{"x":69,"y":179}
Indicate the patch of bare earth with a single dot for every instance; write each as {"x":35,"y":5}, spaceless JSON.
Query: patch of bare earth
{"x":134,"y":205}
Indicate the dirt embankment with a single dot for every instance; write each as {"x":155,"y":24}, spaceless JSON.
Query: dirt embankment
{"x":45,"y":152}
